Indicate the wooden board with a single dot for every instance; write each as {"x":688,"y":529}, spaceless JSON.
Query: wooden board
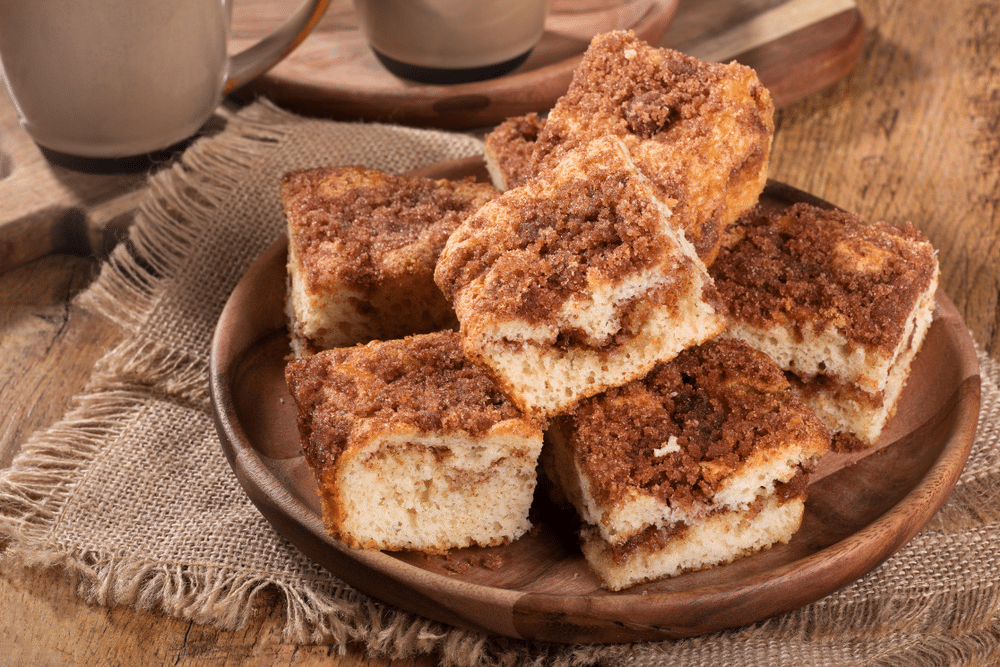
{"x":49,"y":209}
{"x":797,"y":46}
{"x":862,"y":507}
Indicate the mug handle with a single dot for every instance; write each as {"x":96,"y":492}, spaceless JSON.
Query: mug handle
{"x":265,"y":54}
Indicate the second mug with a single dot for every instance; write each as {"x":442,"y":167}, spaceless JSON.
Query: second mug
{"x":452,"y":41}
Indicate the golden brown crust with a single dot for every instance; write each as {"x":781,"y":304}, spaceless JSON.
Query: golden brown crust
{"x":347,"y":223}
{"x":424,"y":382}
{"x":807,"y":266}
{"x":702,"y":131}
{"x":719,"y":402}
{"x":545,"y":240}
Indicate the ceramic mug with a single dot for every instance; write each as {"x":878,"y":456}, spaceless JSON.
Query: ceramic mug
{"x":452,"y":41}
{"x":118,"y":78}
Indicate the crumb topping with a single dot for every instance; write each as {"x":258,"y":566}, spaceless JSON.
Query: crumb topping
{"x":512,"y":142}
{"x":645,"y":96}
{"x":538,"y":247}
{"x":806,"y":266}
{"x":701,"y":130}
{"x":347,"y":222}
{"x":421,"y":381}
{"x":715,"y":403}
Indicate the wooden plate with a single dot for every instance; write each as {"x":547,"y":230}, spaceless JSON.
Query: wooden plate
{"x":858,"y":513}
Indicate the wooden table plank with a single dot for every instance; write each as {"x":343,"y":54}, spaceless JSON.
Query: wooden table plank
{"x":49,"y":345}
{"x":50,"y":627}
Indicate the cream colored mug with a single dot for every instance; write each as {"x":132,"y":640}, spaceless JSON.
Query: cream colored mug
{"x":119,"y":78}
{"x":452,"y":41}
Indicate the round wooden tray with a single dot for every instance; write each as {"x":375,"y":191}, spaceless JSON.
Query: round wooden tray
{"x":860,"y":510}
{"x":335,"y":74}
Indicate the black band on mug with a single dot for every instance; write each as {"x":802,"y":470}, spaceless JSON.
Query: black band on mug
{"x":449,"y":76}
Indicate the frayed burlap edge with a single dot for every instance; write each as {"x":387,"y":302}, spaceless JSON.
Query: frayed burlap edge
{"x":35,"y":488}
{"x":182,"y":199}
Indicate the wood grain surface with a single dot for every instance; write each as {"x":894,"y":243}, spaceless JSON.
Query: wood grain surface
{"x":911,"y":133}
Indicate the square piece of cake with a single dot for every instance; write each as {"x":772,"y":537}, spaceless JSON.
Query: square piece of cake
{"x":702,"y":461}
{"x":576,"y":282}
{"x":701,"y":131}
{"x":362,"y":245}
{"x":508,"y":150}
{"x":413,"y":447}
{"x":841,"y":305}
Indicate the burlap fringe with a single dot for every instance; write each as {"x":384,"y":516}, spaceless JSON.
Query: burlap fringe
{"x":145,"y":367}
{"x":182,"y":200}
{"x":35,"y":488}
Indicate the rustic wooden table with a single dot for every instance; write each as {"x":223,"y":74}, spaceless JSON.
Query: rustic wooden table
{"x":910,"y":134}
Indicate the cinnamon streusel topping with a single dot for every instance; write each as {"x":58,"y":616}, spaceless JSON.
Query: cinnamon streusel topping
{"x":349,"y":221}
{"x":806,"y":266}
{"x":718,"y":402}
{"x":422,"y":381}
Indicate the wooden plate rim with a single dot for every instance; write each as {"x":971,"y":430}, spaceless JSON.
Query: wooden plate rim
{"x":510,"y":612}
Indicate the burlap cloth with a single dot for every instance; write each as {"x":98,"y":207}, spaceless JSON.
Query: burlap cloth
{"x":131,"y":492}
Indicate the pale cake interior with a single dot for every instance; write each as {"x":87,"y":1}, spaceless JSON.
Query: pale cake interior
{"x":715,"y":540}
{"x":651,"y":486}
{"x":413,"y":447}
{"x":431,"y":493}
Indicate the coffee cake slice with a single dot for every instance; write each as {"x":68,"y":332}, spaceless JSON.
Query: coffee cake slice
{"x":413,"y":447}
{"x":362,"y":245}
{"x":508,"y":149}
{"x":576,"y":282}
{"x":702,"y":461}
{"x":701,"y":131}
{"x":841,"y":305}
